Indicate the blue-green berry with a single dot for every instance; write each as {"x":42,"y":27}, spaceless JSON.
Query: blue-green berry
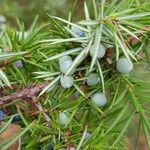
{"x":99,"y":99}
{"x":124,"y":66}
{"x":92,"y":79}
{"x":64,"y":58}
{"x":66,"y":81}
{"x":78,"y":32}
{"x":65,"y":65}
{"x":100,"y":53}
{"x":63,"y":118}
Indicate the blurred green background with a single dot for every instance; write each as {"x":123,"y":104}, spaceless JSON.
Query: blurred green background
{"x":26,"y":10}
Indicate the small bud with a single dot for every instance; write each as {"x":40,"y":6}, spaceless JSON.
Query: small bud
{"x":92,"y":79}
{"x":63,"y":118}
{"x":124,"y":66}
{"x":101,"y":51}
{"x":99,"y":99}
{"x":66,"y":81}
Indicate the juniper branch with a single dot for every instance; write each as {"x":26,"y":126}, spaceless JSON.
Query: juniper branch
{"x":26,"y":93}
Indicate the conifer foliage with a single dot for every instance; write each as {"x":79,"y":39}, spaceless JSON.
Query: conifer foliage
{"x":76,"y":85}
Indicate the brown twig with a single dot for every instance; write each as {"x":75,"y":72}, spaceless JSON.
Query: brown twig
{"x":40,"y":108}
{"x":26,"y":93}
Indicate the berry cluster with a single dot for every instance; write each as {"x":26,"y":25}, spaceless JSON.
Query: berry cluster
{"x":99,"y":98}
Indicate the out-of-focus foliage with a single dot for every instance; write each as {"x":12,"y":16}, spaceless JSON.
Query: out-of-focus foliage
{"x":26,"y":10}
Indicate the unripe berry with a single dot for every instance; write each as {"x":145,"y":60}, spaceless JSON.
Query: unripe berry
{"x":92,"y":79}
{"x":65,"y":65}
{"x":124,"y":66}
{"x":63,"y":118}
{"x":99,"y":99}
{"x":100,"y":53}
{"x":66,"y":81}
{"x":77,"y":31}
{"x":64,"y":58}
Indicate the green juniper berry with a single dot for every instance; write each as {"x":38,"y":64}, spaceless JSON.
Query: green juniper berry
{"x":93,"y":79}
{"x":65,"y":65}
{"x":63,"y":118}
{"x":64,"y":58}
{"x":100,"y":53}
{"x":66,"y":81}
{"x":99,"y":99}
{"x":124,"y":66}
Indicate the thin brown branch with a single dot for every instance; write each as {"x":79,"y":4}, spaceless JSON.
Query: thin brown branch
{"x":26,"y":93}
